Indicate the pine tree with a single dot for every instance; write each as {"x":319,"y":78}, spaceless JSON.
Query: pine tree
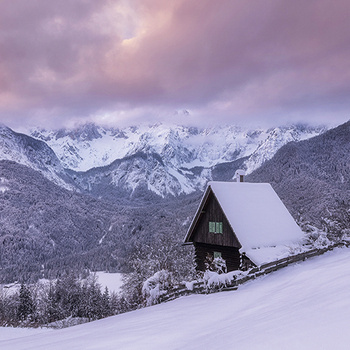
{"x":52,"y":313}
{"x":26,"y":305}
{"x":106,"y":304}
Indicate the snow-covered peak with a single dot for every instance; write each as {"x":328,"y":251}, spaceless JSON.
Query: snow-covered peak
{"x":188,"y":155}
{"x":92,"y":146}
{"x":277,"y":137}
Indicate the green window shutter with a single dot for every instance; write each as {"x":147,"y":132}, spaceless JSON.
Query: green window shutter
{"x":211,"y":226}
{"x":218,"y":227}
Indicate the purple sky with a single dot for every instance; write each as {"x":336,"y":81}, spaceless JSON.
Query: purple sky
{"x":128,"y":61}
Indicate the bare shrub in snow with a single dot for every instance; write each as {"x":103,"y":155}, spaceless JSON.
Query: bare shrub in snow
{"x":217,"y":264}
{"x":164,"y":253}
{"x":156,"y":286}
{"x":215,"y":280}
{"x":316,"y":237}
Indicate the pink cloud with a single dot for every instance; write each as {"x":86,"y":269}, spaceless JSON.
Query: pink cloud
{"x":80,"y":57}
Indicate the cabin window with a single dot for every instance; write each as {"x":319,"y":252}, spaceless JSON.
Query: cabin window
{"x":217,"y":255}
{"x":215,"y":227}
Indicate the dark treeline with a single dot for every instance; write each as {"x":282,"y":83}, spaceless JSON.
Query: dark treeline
{"x":42,"y":304}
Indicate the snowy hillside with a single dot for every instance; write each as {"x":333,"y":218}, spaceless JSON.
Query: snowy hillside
{"x":304,"y":306}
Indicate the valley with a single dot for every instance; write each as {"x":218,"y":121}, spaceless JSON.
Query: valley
{"x":56,"y":218}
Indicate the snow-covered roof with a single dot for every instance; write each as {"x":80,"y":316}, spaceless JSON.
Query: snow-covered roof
{"x":258,"y":217}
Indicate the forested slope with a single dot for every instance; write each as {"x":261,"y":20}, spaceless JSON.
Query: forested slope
{"x":45,"y":228}
{"x":313,"y":179}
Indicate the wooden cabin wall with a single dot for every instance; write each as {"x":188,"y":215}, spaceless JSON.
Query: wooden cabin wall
{"x":213,"y":212}
{"x":230,"y":254}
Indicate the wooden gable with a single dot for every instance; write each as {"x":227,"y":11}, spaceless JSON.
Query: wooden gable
{"x":209,"y":214}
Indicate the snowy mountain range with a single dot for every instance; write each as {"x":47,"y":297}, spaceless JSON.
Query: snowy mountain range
{"x":161,"y":159}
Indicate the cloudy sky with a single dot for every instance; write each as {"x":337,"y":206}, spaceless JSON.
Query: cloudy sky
{"x":131,"y":61}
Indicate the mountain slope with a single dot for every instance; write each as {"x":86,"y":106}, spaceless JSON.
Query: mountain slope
{"x":144,"y":176}
{"x":313,"y":178}
{"x":46,"y":229}
{"x":34,"y":153}
{"x":304,"y":306}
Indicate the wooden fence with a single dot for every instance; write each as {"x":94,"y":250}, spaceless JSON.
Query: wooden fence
{"x":202,"y":287}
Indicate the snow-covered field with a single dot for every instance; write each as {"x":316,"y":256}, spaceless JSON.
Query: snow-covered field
{"x":304,"y":306}
{"x":113,"y":281}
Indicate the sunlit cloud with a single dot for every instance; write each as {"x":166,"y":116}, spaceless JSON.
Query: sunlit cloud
{"x":119,"y":61}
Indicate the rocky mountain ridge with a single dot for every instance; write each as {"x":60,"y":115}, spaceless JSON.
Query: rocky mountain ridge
{"x":164,"y":160}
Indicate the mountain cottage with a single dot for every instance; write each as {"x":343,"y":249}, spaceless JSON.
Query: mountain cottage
{"x":244,"y":223}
